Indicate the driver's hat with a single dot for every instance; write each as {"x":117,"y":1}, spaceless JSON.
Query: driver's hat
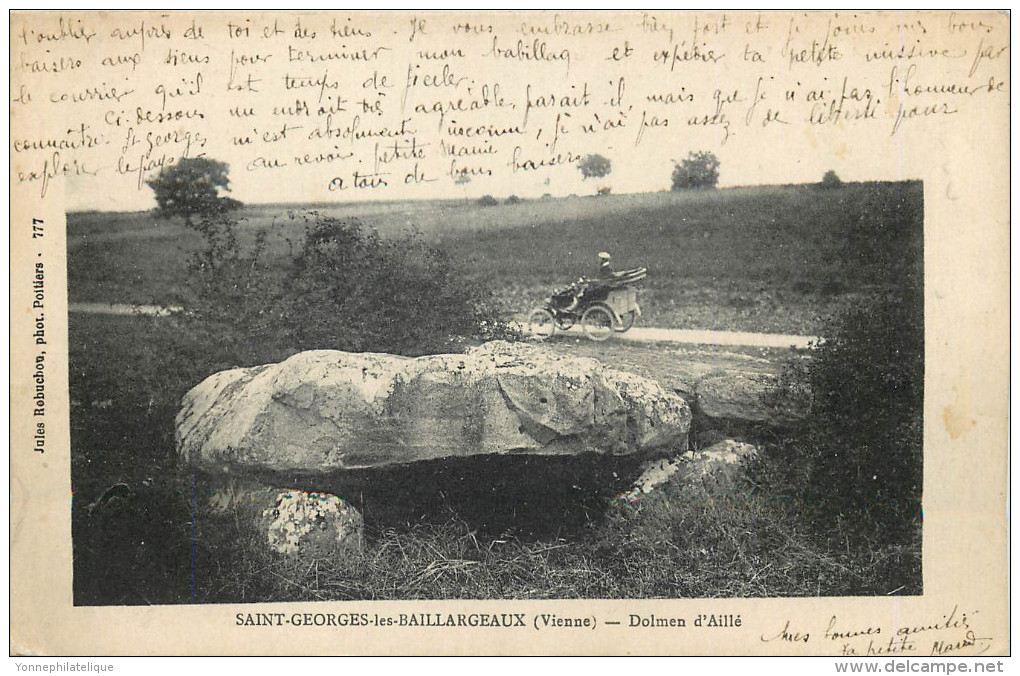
{"x":604,"y":256}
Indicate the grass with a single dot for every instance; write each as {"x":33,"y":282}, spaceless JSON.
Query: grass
{"x":771,"y":259}
{"x":686,"y":543}
{"x":682,"y":542}
{"x":766,"y":259}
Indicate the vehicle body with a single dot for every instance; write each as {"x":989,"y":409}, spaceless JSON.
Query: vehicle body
{"x":600,"y":306}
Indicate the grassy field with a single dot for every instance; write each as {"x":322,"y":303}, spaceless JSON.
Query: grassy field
{"x":758,"y":259}
{"x":769,"y":259}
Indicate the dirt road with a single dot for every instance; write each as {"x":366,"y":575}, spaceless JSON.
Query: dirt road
{"x":701,"y":337}
{"x":121,"y":309}
{"x":635,"y":335}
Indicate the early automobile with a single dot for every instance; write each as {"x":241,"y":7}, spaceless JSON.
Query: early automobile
{"x":600,"y":306}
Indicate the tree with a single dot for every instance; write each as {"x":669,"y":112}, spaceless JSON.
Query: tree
{"x":595,"y":166}
{"x":698,"y":170}
{"x":191,"y":187}
{"x":831,"y":180}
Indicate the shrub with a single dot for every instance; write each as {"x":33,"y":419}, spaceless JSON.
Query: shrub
{"x":191,"y":188}
{"x":698,"y":170}
{"x":346,"y":289}
{"x":513,"y":199}
{"x":488,"y":201}
{"x":595,"y":166}
{"x":860,"y":458}
{"x":830,"y":180}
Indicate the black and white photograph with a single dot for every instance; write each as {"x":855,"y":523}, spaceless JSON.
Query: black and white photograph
{"x":311,"y":403}
{"x":442,"y":308}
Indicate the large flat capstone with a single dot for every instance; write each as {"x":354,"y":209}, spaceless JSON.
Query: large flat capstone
{"x":325,"y":411}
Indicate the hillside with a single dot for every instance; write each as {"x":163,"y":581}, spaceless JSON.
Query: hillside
{"x":758,"y":259}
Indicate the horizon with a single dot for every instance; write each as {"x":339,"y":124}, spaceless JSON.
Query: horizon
{"x":474,"y":198}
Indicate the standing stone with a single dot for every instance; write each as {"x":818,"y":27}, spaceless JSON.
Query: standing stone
{"x":720,"y":466}
{"x":723,"y":464}
{"x":326,"y":411}
{"x":312,"y":524}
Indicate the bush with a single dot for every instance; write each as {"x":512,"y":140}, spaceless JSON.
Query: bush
{"x":191,"y":188}
{"x":346,"y":289}
{"x":698,"y":170}
{"x":513,"y":199}
{"x":861,"y":456}
{"x":595,"y":166}
{"x":487,"y":201}
{"x":830,"y":180}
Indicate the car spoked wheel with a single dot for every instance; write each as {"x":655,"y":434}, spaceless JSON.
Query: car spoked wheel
{"x":541,"y":324}
{"x":597,"y":323}
{"x":626,"y":321}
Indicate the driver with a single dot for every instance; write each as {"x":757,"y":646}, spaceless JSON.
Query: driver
{"x":605,"y":267}
{"x":581,"y":286}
